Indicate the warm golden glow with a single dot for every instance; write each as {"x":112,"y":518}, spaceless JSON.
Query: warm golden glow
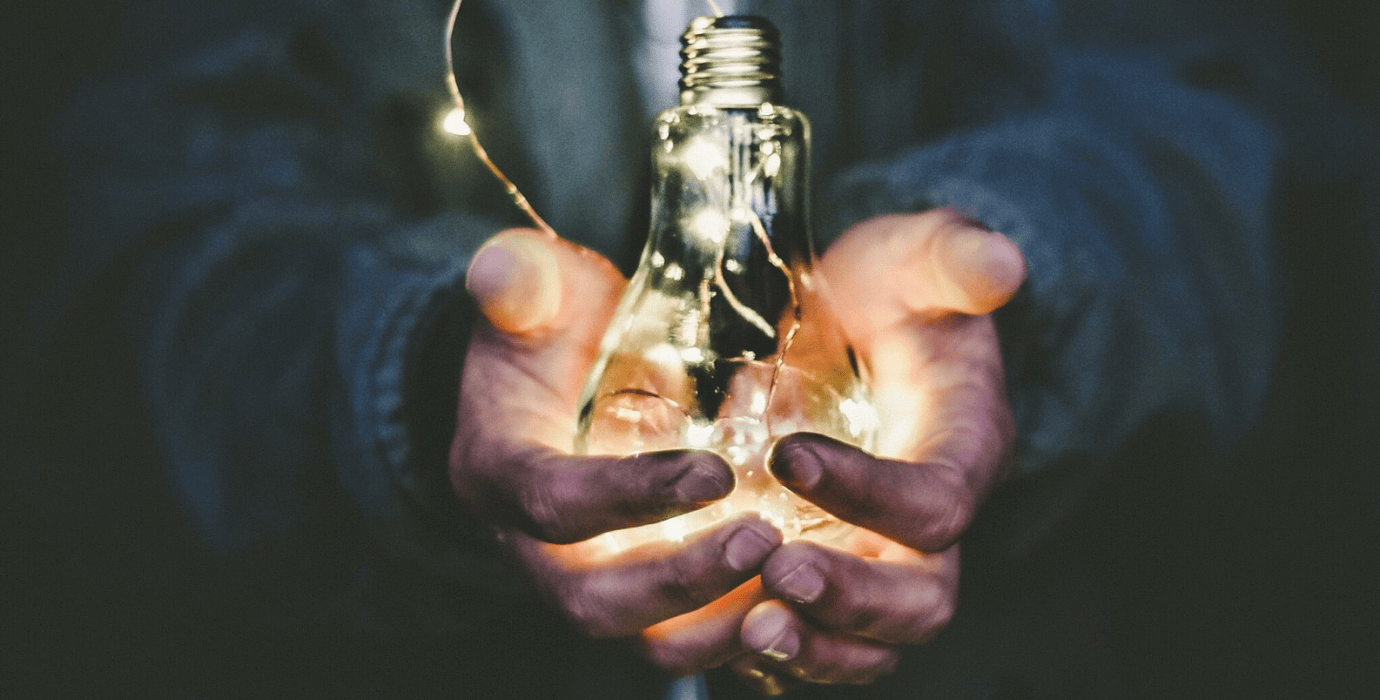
{"x":692,"y":355}
{"x":759,"y":403}
{"x":862,"y":417}
{"x":704,"y":158}
{"x":454,"y":123}
{"x":710,"y":225}
{"x":699,"y":436}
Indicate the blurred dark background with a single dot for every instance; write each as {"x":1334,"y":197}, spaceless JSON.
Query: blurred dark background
{"x":1257,"y":576}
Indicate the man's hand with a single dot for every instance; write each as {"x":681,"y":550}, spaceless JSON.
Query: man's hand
{"x":915,"y":291}
{"x":547,"y":303}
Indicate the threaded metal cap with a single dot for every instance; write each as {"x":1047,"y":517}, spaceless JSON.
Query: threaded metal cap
{"x":730,"y":61}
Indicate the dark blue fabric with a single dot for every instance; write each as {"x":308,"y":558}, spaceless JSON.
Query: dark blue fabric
{"x":300,"y":229}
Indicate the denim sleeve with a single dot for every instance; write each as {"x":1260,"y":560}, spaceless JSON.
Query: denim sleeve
{"x":298,"y":332}
{"x":1141,"y":205}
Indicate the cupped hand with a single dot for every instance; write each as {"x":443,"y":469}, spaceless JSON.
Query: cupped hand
{"x":547,"y":302}
{"x":916,"y":292}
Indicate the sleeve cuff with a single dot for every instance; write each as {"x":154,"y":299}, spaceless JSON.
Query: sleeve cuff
{"x":401,"y":348}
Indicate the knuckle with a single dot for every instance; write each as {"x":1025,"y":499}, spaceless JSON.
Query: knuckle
{"x":864,"y":502}
{"x":536,"y":502}
{"x":934,"y":610}
{"x":684,"y":586}
{"x":541,"y":506}
{"x":947,"y":515}
{"x":854,"y":611}
{"x":586,"y":612}
{"x":943,"y":614}
{"x":886,"y":667}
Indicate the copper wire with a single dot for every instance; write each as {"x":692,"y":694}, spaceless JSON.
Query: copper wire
{"x":454,"y":87}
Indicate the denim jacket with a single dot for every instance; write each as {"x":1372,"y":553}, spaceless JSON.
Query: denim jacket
{"x":301,"y":228}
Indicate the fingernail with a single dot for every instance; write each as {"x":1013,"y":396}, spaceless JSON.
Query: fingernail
{"x":803,"y":585}
{"x":796,"y":465}
{"x":782,"y":643}
{"x":516,"y":281}
{"x":490,"y":270}
{"x":704,"y":482}
{"x":748,"y":548}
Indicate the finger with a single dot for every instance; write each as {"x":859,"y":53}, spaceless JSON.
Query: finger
{"x":940,"y":390}
{"x":925,"y":505}
{"x":809,"y":653}
{"x":520,"y":391}
{"x":935,"y":262}
{"x":704,"y":638}
{"x":903,"y":599}
{"x":524,"y":370}
{"x":515,"y":279}
{"x":560,"y":498}
{"x":621,"y":595}
{"x":525,"y":281}
{"x":972,"y":270}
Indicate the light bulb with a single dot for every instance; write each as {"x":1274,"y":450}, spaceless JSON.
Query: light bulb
{"x":723,"y":339}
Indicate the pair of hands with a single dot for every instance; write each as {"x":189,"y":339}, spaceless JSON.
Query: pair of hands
{"x":917,"y":290}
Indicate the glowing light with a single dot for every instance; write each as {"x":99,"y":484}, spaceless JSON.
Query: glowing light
{"x":663,"y":355}
{"x":675,"y":272}
{"x":692,"y":355}
{"x":609,"y":541}
{"x":703,"y":158}
{"x":699,"y":436}
{"x":710,"y":225}
{"x":772,"y":165}
{"x":454,"y":123}
{"x":658,"y":260}
{"x":862,"y":417}
{"x":759,"y":402}
{"x":627,"y":415}
{"x":674,"y":530}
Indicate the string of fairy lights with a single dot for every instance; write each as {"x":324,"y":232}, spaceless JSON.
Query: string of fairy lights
{"x":455,"y":123}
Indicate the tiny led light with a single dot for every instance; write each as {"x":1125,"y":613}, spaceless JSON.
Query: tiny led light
{"x":699,"y":436}
{"x":759,"y":403}
{"x":704,"y":158}
{"x":454,"y":123}
{"x":862,"y":417}
{"x":710,"y":225}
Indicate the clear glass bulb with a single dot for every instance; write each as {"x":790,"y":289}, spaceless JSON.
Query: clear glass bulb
{"x":723,"y":339}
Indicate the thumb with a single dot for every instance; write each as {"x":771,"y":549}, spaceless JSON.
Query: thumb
{"x":890,"y":269}
{"x":516,"y":280}
{"x":547,"y":302}
{"x":971,"y":270}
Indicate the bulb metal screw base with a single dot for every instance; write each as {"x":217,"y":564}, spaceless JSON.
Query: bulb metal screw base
{"x":730,"y":61}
